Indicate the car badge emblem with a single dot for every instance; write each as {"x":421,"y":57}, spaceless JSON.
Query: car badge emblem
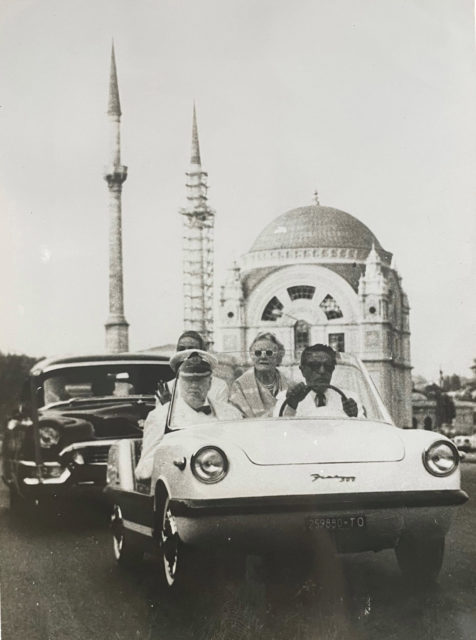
{"x":321,"y":476}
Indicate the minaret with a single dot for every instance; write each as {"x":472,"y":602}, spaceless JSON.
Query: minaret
{"x":198,"y":256}
{"x":117,"y":329}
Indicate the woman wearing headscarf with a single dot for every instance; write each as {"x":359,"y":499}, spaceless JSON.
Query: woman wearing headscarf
{"x":254,"y":393}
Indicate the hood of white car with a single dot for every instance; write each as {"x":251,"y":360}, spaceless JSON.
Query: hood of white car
{"x":307,"y":441}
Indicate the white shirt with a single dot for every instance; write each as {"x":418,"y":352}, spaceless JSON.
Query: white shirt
{"x":183,"y":416}
{"x":308,"y":407}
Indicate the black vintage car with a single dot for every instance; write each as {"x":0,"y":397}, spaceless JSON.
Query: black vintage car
{"x":72,"y":410}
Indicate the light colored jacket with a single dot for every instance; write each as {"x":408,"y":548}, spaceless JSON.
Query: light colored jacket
{"x":251,"y":397}
{"x":183,"y":417}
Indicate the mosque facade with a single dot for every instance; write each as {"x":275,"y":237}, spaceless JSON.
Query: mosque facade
{"x":317,"y":274}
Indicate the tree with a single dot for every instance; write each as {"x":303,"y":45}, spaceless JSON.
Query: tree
{"x":445,"y":407}
{"x":455,"y":382}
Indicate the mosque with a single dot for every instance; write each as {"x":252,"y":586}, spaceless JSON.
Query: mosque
{"x":314,"y":274}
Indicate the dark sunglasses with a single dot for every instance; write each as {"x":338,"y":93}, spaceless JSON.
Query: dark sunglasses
{"x":185,"y":348}
{"x":264,"y":352}
{"x":316,"y":366}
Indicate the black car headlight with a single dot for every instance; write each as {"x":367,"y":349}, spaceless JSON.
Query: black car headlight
{"x":441,"y":458}
{"x":49,"y":436}
{"x":209,"y":465}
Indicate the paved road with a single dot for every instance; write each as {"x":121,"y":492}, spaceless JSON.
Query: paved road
{"x":58,"y":581}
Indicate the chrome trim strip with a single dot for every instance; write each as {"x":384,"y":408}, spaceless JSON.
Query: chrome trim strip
{"x":138,"y":528}
{"x":31,"y":463}
{"x":60,"y":480}
{"x":102,"y":363}
{"x":87,"y":443}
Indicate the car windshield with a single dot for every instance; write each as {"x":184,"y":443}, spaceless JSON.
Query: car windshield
{"x":243,"y":389}
{"x":102,"y":380}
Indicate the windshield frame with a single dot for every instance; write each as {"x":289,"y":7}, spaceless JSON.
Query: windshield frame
{"x":379,"y":412}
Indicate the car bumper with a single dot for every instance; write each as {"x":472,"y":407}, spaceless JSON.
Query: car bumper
{"x":82,"y":463}
{"x":260,"y":522}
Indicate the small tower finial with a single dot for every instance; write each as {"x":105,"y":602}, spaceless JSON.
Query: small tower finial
{"x":195,"y":156}
{"x":316,"y":198}
{"x":114,"y":107}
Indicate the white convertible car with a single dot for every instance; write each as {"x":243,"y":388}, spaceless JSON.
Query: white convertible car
{"x":277,"y":482}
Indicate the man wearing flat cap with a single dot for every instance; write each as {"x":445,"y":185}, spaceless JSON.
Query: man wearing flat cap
{"x":191,"y":406}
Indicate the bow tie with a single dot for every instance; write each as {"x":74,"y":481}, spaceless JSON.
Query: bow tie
{"x":320,"y":400}
{"x":206,"y":409}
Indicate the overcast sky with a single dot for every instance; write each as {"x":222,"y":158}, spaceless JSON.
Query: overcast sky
{"x":371,"y":102}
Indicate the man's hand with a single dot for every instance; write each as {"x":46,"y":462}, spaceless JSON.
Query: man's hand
{"x":297,"y":393}
{"x":350,"y":407}
{"x":163,"y":392}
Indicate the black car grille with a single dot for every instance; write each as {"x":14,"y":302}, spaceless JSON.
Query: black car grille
{"x":95,"y":455}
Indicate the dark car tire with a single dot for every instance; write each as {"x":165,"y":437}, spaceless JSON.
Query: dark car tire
{"x":127,"y":552}
{"x":420,"y":559}
{"x":179,"y":565}
{"x":171,"y":551}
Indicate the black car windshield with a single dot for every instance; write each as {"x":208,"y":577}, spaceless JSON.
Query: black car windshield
{"x":102,"y":380}
{"x":237,"y":390}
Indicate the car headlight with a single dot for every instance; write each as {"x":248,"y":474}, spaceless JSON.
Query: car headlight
{"x":49,"y":436}
{"x":441,"y":458}
{"x":209,"y":465}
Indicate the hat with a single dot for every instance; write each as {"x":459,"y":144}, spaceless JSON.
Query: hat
{"x":193,"y":362}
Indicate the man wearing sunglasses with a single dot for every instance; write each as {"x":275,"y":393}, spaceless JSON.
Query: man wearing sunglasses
{"x":313,"y":397}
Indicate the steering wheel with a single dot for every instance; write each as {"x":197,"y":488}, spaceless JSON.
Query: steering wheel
{"x":329,"y":386}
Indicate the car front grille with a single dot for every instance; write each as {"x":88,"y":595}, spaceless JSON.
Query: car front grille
{"x":95,"y":455}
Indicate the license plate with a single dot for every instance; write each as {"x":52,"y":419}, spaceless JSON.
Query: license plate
{"x":314,"y":523}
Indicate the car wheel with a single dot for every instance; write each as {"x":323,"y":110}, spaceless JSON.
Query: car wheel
{"x":171,"y":550}
{"x":420,"y":559}
{"x":126,"y":552}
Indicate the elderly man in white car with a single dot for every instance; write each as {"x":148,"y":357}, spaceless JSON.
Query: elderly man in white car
{"x":192,"y":405}
{"x":315,"y":397}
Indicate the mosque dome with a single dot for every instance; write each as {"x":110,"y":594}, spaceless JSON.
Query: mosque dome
{"x":315,"y":227}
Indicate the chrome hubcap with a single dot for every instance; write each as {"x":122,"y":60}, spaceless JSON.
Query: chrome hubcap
{"x":117,"y":532}
{"x":170,"y":544}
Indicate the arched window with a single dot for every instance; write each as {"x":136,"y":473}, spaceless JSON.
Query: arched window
{"x":331,"y":308}
{"x":272,"y":309}
{"x":301,"y":292}
{"x":302,"y":337}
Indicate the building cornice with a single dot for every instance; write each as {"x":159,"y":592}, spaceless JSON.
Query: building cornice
{"x":275,"y":257}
